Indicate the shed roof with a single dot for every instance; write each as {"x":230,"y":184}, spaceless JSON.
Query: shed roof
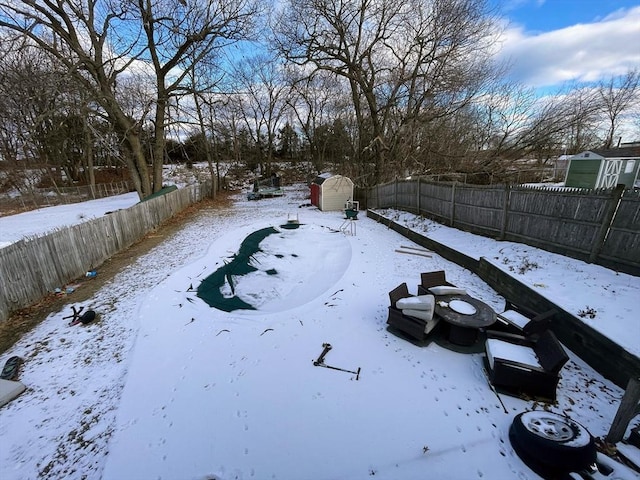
{"x":625,"y":152}
{"x":320,"y":179}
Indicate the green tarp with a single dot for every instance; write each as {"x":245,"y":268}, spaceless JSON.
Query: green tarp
{"x":162,"y":191}
{"x":209,"y":288}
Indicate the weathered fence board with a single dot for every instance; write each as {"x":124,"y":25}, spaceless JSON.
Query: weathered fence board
{"x":406,"y":194}
{"x":590,"y":225}
{"x":479,"y":209}
{"x":33,"y":267}
{"x":435,"y":200}
{"x":623,"y":238}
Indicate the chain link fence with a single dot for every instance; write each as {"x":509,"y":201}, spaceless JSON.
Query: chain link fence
{"x":46,"y":197}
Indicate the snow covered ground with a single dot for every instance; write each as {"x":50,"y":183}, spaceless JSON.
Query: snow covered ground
{"x":45,"y":220}
{"x":603,"y":298}
{"x":163,"y":386}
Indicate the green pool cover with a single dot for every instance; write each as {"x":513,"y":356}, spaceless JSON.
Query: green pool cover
{"x":209,"y":288}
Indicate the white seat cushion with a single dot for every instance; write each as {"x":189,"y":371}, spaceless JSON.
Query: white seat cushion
{"x":10,"y":390}
{"x":499,"y":349}
{"x":515,"y":317}
{"x":420,"y":302}
{"x":421,"y":314}
{"x":425,"y":315}
{"x":430,"y":325}
{"x":447,"y":290}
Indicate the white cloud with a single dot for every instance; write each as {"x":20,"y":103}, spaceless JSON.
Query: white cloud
{"x":582,"y":52}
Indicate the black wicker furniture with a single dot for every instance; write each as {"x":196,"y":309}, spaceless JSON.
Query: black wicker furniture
{"x":525,"y":365}
{"x":413,"y":326}
{"x":431,"y":279}
{"x":523,"y":321}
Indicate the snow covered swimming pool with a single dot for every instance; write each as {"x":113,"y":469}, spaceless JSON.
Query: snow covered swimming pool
{"x":277,"y":268}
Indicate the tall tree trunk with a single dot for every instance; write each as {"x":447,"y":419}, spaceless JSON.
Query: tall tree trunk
{"x":130,"y":132}
{"x":359,"y":149}
{"x":88,"y":148}
{"x":158,"y":136}
{"x":207,"y":145}
{"x":137,"y":163}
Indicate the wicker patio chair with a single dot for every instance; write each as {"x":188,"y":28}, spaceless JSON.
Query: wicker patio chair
{"x":416,"y":328}
{"x":525,"y":365}
{"x":432,"y":279}
{"x":522,"y":321}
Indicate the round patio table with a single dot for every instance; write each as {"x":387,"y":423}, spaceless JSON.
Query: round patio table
{"x":464,"y":327}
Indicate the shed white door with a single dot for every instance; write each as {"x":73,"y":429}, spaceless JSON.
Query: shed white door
{"x":612,"y":169}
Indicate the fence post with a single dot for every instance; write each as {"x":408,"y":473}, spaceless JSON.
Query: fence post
{"x":608,"y":219}
{"x":418,"y":195}
{"x":453,"y":203}
{"x":505,"y":210}
{"x":395,"y":194}
{"x":367,"y":197}
{"x":629,"y":408}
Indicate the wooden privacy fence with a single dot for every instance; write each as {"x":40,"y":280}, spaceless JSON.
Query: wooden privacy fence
{"x":597,"y":226}
{"x":33,"y":267}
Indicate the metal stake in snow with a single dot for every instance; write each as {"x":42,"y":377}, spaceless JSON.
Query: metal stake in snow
{"x":493,"y":389}
{"x":319,"y":362}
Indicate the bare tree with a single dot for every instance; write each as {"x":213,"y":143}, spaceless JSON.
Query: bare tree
{"x":618,"y":95}
{"x":406,"y":62}
{"x":80,"y":37}
{"x":204,"y":83}
{"x":582,"y":116}
{"x":512,"y":122}
{"x":99,"y":41}
{"x":263,"y":99}
{"x":319,"y":102}
{"x":44,"y":115}
{"x":178,"y":36}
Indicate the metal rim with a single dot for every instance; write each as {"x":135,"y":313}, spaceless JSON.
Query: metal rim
{"x":552,"y":428}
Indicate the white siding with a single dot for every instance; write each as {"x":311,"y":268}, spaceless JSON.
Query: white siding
{"x":335,"y":192}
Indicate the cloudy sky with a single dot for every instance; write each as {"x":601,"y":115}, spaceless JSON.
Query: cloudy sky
{"x":550,"y":42}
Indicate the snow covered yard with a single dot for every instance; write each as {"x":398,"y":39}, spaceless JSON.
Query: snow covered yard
{"x":165,"y":387}
{"x":601,"y":297}
{"x":44,"y":220}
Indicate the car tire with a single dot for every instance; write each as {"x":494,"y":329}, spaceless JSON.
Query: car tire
{"x":554,"y":442}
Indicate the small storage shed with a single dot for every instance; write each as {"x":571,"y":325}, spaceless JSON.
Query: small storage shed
{"x":604,"y":168}
{"x":331,"y":192}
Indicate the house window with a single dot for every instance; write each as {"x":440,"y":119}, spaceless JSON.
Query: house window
{"x":630,"y":166}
